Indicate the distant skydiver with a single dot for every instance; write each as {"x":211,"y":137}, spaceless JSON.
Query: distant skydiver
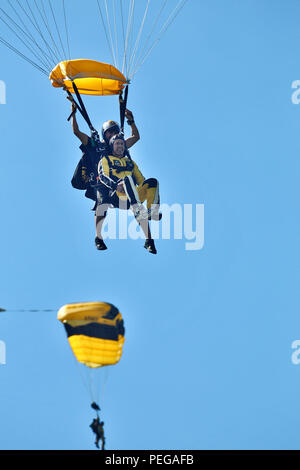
{"x":123,"y":186}
{"x":85,"y":175}
{"x":97,"y":427}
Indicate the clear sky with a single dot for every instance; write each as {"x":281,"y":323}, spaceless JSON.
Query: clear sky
{"x":207,"y":358}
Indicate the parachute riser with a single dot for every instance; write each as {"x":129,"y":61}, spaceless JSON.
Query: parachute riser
{"x":82,"y":109}
{"x":123,"y":106}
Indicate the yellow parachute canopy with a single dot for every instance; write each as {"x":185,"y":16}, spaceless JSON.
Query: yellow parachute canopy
{"x":95,"y":332}
{"x":91,"y":77}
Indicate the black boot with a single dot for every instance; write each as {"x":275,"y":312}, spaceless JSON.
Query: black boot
{"x":149,"y":245}
{"x":100,"y":245}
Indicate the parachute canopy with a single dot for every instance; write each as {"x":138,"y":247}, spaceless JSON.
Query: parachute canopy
{"x":95,"y":332}
{"x":90,"y":77}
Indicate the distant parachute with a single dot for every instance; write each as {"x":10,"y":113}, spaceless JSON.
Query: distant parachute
{"x":95,"y":332}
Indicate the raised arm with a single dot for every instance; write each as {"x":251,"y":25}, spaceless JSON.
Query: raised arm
{"x":81,"y":136}
{"x":135,"y":135}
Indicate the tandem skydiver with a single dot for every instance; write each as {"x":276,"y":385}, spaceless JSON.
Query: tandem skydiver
{"x":85,"y":175}
{"x":124,"y":186}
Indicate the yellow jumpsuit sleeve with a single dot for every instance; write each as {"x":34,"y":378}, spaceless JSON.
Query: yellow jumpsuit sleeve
{"x":139,"y":178}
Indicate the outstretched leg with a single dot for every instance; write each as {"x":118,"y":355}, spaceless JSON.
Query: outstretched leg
{"x":149,"y":191}
{"x":101,"y":212}
{"x":140,"y":212}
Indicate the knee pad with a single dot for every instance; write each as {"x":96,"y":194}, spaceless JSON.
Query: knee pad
{"x":152,"y":182}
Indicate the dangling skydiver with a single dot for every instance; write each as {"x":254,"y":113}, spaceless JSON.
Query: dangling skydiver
{"x":97,"y":427}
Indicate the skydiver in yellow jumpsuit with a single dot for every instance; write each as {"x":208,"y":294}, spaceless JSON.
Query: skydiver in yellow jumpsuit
{"x":126,"y":187}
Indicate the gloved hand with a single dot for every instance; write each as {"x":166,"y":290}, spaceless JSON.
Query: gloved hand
{"x":129,"y":116}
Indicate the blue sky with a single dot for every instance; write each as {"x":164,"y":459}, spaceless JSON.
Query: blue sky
{"x":207,"y":358}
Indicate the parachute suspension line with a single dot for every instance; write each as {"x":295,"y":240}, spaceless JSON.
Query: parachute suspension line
{"x":123,"y":30}
{"x":105,"y":31}
{"x":162,"y":31}
{"x":87,"y":376}
{"x":83,"y":377}
{"x":53,"y":55}
{"x":102,"y":384}
{"x":86,"y":379}
{"x":97,"y":380}
{"x":45,"y":20}
{"x":110,"y":34}
{"x":57,"y":29}
{"x":37,"y":28}
{"x":115,"y":33}
{"x":92,"y":386}
{"x":46,"y":24}
{"x":131,"y":38}
{"x":128,"y":34}
{"x":34,"y":64}
{"x":125,"y":36}
{"x":96,"y":384}
{"x":66,"y":28}
{"x":136,"y":45}
{"x":37,"y":56}
{"x":46,"y":60}
{"x":150,"y":35}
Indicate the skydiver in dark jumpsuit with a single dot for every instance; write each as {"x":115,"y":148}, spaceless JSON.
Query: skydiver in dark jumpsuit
{"x":86,"y":173}
{"x":97,"y":427}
